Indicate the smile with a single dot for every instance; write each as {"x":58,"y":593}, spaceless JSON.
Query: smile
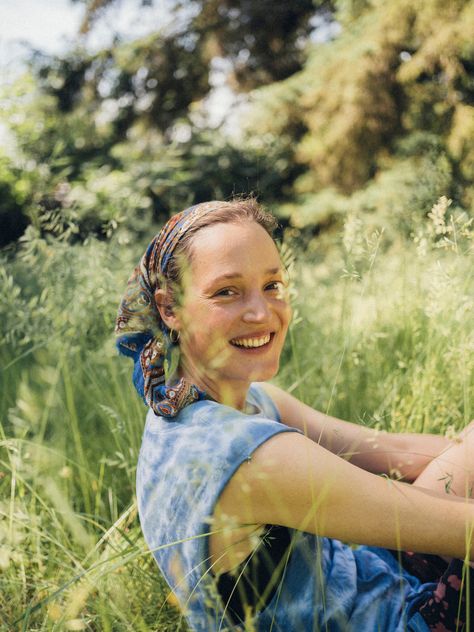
{"x":252,"y":343}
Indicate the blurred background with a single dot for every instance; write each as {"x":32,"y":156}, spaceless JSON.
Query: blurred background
{"x":352,"y":120}
{"x":116,"y":113}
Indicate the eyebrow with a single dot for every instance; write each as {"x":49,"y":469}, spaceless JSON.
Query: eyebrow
{"x":237,"y":275}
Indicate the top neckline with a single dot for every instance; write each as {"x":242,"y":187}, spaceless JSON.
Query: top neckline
{"x":250,"y":407}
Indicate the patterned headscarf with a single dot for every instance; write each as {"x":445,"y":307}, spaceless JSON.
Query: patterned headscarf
{"x":142,"y":334}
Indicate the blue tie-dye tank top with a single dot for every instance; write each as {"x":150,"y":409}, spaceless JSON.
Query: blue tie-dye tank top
{"x":328,"y":586}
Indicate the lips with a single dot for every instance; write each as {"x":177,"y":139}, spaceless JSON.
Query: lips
{"x":252,"y":342}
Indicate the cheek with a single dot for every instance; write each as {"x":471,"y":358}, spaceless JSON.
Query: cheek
{"x":204,"y":335}
{"x":286,"y":314}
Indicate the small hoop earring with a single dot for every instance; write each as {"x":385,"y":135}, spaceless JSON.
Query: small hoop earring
{"x":174,"y":336}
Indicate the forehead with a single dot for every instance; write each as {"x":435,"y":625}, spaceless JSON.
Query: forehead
{"x":234,"y":247}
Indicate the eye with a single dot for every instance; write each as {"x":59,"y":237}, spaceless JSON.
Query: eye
{"x":227,"y":291}
{"x":278,"y":289}
{"x":277,"y":286}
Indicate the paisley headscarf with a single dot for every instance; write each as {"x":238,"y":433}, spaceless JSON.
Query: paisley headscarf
{"x":142,"y":334}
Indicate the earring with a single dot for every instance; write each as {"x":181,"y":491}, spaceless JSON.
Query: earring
{"x":174,"y":336}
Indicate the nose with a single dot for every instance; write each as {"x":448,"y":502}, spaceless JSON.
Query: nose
{"x":257,"y":309}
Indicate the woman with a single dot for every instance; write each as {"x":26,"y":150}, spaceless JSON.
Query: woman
{"x":245,"y":494}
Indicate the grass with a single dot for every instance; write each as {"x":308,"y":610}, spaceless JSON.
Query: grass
{"x":382,"y":335}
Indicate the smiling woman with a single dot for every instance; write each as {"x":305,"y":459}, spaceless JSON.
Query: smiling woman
{"x":245,"y":494}
{"x":241,"y":299}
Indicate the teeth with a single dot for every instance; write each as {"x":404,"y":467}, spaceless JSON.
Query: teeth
{"x":252,"y":342}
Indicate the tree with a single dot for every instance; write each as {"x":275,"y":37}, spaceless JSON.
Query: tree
{"x":392,"y":92}
{"x":264,"y":41}
{"x":87,"y":113}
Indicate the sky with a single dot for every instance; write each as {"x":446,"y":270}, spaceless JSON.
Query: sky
{"x":52,"y":26}
{"x":44,"y":24}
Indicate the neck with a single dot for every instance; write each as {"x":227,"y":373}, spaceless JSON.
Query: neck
{"x":226,"y":395}
{"x":233,"y":394}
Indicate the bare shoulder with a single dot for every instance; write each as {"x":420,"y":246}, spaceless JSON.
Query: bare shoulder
{"x":269,"y":487}
{"x":258,"y":475}
{"x":245,"y":505}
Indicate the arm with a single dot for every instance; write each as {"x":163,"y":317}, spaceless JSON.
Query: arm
{"x":373,"y":450}
{"x":295,"y":482}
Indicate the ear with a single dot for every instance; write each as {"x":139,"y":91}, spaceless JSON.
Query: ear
{"x":165,"y":305}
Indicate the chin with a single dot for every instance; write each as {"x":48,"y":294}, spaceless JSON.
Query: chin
{"x":264,"y":374}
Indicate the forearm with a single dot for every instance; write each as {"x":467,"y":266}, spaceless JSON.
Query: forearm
{"x":400,"y":455}
{"x":417,"y":451}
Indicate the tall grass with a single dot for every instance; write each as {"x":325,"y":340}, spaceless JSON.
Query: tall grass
{"x":382,"y":335}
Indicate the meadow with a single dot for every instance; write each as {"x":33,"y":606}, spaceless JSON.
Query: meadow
{"x":382,"y":335}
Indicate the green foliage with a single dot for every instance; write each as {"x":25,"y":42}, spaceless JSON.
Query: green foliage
{"x":12,"y":218}
{"x":41,"y":306}
{"x":70,"y":430}
{"x":381,"y":335}
{"x":396,"y":83}
{"x":144,"y":181}
{"x":386,"y":326}
{"x":105,"y":185}
{"x":262,"y":41}
{"x":351,"y":151}
{"x":154,"y":79}
{"x":379,"y":118}
{"x":397,"y":199}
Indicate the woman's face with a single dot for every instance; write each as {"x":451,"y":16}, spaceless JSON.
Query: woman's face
{"x":234,"y":314}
